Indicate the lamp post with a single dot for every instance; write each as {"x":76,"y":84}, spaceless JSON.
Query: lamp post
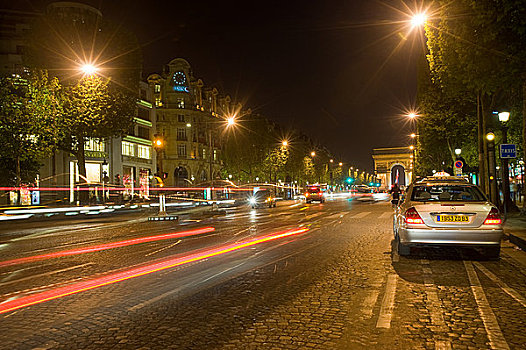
{"x":492,"y":169}
{"x":507,"y":203}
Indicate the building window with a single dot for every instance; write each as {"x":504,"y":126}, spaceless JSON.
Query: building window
{"x":144,"y":152}
{"x":180,"y":103}
{"x":158,"y":102}
{"x":180,"y":118}
{"x":181,"y":134}
{"x":143,"y":113}
{"x":215,"y":155}
{"x":204,"y":153}
{"x":95,"y":145}
{"x":143,"y":132}
{"x":181,"y":150}
{"x":128,"y":149}
{"x":157,"y":88}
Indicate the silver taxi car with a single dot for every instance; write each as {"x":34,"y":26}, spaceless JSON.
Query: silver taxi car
{"x":447,"y":211}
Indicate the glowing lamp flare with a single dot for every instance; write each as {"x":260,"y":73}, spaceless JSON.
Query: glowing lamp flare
{"x":285,"y":143}
{"x":418,"y":20}
{"x":89,"y":69}
{"x":230,"y":121}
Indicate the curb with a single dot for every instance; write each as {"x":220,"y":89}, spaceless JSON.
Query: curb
{"x":518,"y":241}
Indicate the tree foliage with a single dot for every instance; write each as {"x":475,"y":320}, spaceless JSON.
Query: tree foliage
{"x":93,"y":109}
{"x":30,"y":122}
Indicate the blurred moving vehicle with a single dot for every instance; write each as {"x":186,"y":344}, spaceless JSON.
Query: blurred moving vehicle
{"x":364,"y":193}
{"x":262,"y":197}
{"x":447,"y":211}
{"x":314,"y":193}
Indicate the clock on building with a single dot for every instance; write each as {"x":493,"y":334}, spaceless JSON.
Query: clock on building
{"x":179,"y":82}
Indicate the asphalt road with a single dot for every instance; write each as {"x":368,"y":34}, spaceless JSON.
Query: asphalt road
{"x":316,"y":276}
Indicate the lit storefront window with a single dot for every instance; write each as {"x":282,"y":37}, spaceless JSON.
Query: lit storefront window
{"x":144,"y":152}
{"x":95,"y":145}
{"x":128,"y":149}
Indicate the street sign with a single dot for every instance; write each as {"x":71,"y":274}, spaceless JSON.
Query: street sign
{"x":508,"y":150}
{"x":458,"y":167}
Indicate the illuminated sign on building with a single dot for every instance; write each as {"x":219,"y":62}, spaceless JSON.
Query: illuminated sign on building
{"x":179,"y":82}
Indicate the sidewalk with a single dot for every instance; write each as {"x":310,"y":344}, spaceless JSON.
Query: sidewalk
{"x":515,"y":230}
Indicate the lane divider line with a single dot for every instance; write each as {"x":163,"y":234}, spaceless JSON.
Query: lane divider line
{"x":361,"y":215}
{"x":112,"y":245}
{"x":508,"y":290}
{"x":46,"y":274}
{"x":386,"y":215}
{"x":495,"y":336}
{"x":52,"y":294}
{"x":387,"y":308}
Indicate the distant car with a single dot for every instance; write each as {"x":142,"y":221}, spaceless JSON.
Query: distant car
{"x":447,"y":212}
{"x":262,"y":198}
{"x":314,"y":193}
{"x":364,"y":193}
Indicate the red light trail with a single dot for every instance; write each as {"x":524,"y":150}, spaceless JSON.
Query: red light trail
{"x":37,"y":298}
{"x":105,"y":246}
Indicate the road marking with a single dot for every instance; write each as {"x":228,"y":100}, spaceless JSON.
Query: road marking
{"x":308,"y":217}
{"x":370,"y":300}
{"x":164,"y":248}
{"x":386,"y":215}
{"x":336,"y":216}
{"x":303,"y":208}
{"x":45,"y":274}
{"x":434,"y":307}
{"x":295,"y":205}
{"x":508,"y":290}
{"x":496,"y":339}
{"x":386,"y":310}
{"x":361,"y":215}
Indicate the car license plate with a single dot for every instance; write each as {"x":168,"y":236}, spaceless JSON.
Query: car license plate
{"x":452,"y":218}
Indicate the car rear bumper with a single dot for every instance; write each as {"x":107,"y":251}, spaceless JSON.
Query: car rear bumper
{"x":466,"y":237}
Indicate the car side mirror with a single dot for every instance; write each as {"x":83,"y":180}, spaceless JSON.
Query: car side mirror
{"x":395,"y":201}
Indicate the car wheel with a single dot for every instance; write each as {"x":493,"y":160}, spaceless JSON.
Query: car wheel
{"x":492,"y":253}
{"x":402,"y":249}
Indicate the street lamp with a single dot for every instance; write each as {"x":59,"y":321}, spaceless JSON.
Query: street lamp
{"x":492,"y":168}
{"x":231,"y":121}
{"x":418,"y":20}
{"x":458,"y":151}
{"x":312,"y":154}
{"x":284,"y":143}
{"x":340,"y":164}
{"x":89,"y":69}
{"x":413,"y":135}
{"x":503,"y":118}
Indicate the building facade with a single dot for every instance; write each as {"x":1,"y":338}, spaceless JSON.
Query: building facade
{"x":191,"y":122}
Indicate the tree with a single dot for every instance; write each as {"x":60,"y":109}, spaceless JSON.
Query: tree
{"x":93,"y":109}
{"x":478,"y":48}
{"x":30,"y":121}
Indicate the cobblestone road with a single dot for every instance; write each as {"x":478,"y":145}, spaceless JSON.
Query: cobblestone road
{"x":338,"y":286}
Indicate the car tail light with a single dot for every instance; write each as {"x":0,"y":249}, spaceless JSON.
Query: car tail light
{"x":412,"y":217}
{"x":307,"y":194}
{"x":320,"y":194}
{"x":493,"y":217}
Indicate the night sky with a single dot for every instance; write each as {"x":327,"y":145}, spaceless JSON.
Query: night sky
{"x":323,"y":67}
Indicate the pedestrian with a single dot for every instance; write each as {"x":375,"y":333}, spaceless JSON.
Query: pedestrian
{"x":514,"y":189}
{"x":395,"y":193}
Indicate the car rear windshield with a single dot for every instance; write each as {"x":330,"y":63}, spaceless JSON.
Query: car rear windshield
{"x":446,"y":193}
